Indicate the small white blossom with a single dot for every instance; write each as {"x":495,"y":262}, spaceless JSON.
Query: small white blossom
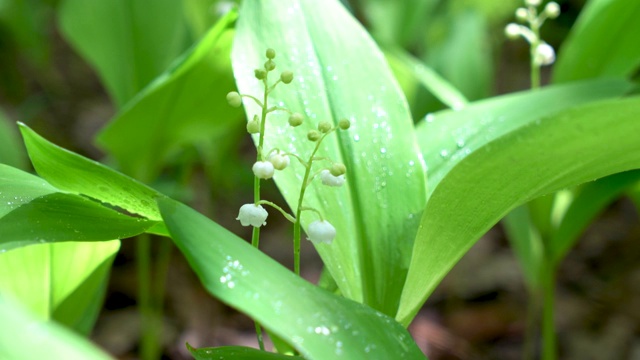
{"x":279,"y":160}
{"x":552,"y":9}
{"x":252,"y":214}
{"x":263,"y":169}
{"x":512,"y":30}
{"x":533,"y":2}
{"x":544,"y":55}
{"x":321,"y":231}
{"x":330,"y":180}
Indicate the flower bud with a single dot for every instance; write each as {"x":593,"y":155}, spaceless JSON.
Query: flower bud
{"x":321,"y":232}
{"x":286,"y":77}
{"x":338,"y":169}
{"x":271,"y":54}
{"x":522,"y":14}
{"x":344,"y":124}
{"x":512,"y":31}
{"x":295,"y":119}
{"x":544,"y":54}
{"x":234,"y":99}
{"x":263,"y":169}
{"x":253,"y":127}
{"x":314,"y":135}
{"x":552,"y":10}
{"x":533,"y":2}
{"x":252,"y":214}
{"x":279,"y":160}
{"x":324,"y":126}
{"x":260,"y":74}
{"x":269,"y":65}
{"x":331,"y":180}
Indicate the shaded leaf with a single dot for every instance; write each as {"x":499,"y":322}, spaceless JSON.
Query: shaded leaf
{"x":236,"y":353}
{"x":563,"y":150}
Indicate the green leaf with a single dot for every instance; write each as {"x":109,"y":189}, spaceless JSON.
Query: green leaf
{"x":64,"y":282}
{"x":319,"y":324}
{"x":590,"y":200}
{"x":129,"y":42}
{"x":73,"y":173}
{"x":236,"y":353}
{"x":11,"y":150}
{"x":447,"y":137}
{"x":340,"y":73}
{"x":427,"y":77}
{"x":563,"y":150}
{"x":602,"y":43}
{"x":397,"y":22}
{"x":23,"y":337}
{"x":186,"y":104}
{"x":463,"y":54}
{"x":526,"y":243}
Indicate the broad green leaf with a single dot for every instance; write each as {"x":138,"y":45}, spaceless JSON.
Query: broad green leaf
{"x":602,"y":43}
{"x":27,"y":22}
{"x":569,"y":148}
{"x":73,"y":173}
{"x":319,"y":324}
{"x":11,"y":150}
{"x":590,"y":200}
{"x":447,"y":137}
{"x":64,"y":281}
{"x":32,"y":211}
{"x":23,"y":336}
{"x":129,"y":42}
{"x":186,"y":104}
{"x":427,"y":77}
{"x":340,"y":73}
{"x":236,"y":353}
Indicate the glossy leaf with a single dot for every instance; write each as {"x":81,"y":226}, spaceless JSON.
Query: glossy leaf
{"x":602,"y":43}
{"x":319,"y":324}
{"x":32,"y":211}
{"x":236,"y":353}
{"x":321,"y":43}
{"x":74,"y":173}
{"x":23,"y":336}
{"x":563,"y":150}
{"x":129,"y":42}
{"x":186,"y":104}
{"x":64,"y":282}
{"x":447,"y":137}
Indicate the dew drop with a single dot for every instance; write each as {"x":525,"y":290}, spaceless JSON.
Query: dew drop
{"x":460,"y":143}
{"x":444,"y":153}
{"x":429,"y":118}
{"x":356,"y":137}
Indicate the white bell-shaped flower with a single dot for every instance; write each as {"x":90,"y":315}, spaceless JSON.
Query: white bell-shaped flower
{"x":544,"y":55}
{"x":263,"y":169}
{"x":330,"y":180}
{"x":252,"y":214}
{"x":321,"y":232}
{"x":279,"y":160}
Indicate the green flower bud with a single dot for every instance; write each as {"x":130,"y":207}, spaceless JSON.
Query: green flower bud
{"x":286,"y":77}
{"x":344,"y":124}
{"x":271,"y":53}
{"x":295,"y":119}
{"x":324,"y":126}
{"x":269,"y":65}
{"x":260,"y":74}
{"x":253,"y":127}
{"x":338,"y":169}
{"x":234,"y":99}
{"x":314,"y":135}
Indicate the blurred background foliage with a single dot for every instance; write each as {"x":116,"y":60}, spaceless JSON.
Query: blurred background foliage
{"x":107,"y":78}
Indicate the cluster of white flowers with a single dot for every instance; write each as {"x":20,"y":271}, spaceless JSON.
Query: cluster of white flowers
{"x":542,"y":53}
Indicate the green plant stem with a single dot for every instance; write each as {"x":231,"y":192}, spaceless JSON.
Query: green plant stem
{"x":548,"y":301}
{"x":149,"y":342}
{"x":535,"y":68}
{"x":299,"y":208}
{"x":533,"y":311}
